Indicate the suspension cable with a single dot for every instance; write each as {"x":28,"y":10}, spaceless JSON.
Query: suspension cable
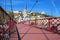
{"x":11,"y":5}
{"x":5,"y":4}
{"x":34,"y":5}
{"x":11,"y":8}
{"x":54,"y":6}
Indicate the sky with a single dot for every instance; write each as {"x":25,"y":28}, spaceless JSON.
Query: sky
{"x":50,"y":7}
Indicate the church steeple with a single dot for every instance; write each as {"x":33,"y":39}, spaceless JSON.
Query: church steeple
{"x":25,"y":10}
{"x":25,"y":6}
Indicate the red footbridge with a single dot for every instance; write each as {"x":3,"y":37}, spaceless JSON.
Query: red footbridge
{"x":39,"y":29}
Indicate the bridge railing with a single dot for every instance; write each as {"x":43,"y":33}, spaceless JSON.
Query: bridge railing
{"x":7,"y":25}
{"x":49,"y":23}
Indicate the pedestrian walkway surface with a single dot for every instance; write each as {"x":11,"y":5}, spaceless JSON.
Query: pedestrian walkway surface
{"x":28,"y":32}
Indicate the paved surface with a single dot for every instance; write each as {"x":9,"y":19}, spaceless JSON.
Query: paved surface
{"x":27,"y":32}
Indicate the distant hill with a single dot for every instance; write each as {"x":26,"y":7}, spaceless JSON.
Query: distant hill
{"x":41,"y":14}
{"x":45,"y":15}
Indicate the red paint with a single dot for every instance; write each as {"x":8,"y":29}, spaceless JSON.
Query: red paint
{"x":9,"y":24}
{"x":49,"y":24}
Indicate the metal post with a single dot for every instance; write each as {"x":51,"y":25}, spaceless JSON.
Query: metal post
{"x":49,"y":24}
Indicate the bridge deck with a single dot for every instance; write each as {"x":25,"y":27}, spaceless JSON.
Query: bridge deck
{"x":27,"y":32}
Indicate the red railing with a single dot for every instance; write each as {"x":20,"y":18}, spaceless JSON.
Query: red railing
{"x":51,"y":24}
{"x":7,"y":25}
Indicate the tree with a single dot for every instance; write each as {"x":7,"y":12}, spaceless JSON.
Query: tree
{"x":21,"y":15}
{"x":45,"y":15}
{"x":32,"y":14}
{"x":11,"y":14}
{"x":1,"y":17}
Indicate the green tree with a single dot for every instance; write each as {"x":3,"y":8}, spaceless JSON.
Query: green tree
{"x":11,"y":14}
{"x":45,"y":15}
{"x":32,"y":14}
{"x":21,"y":15}
{"x":1,"y":17}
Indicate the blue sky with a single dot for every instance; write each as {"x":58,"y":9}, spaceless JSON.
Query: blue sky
{"x":48,"y":6}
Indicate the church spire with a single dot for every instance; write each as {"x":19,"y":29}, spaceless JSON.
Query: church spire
{"x":25,"y":10}
{"x":25,"y":6}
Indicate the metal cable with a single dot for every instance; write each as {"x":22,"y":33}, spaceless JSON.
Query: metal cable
{"x":45,"y":35}
{"x":11,"y":8}
{"x":34,"y":5}
{"x":18,"y":33}
{"x":5,"y":4}
{"x":26,"y":32}
{"x":11,"y":5}
{"x":54,"y":6}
